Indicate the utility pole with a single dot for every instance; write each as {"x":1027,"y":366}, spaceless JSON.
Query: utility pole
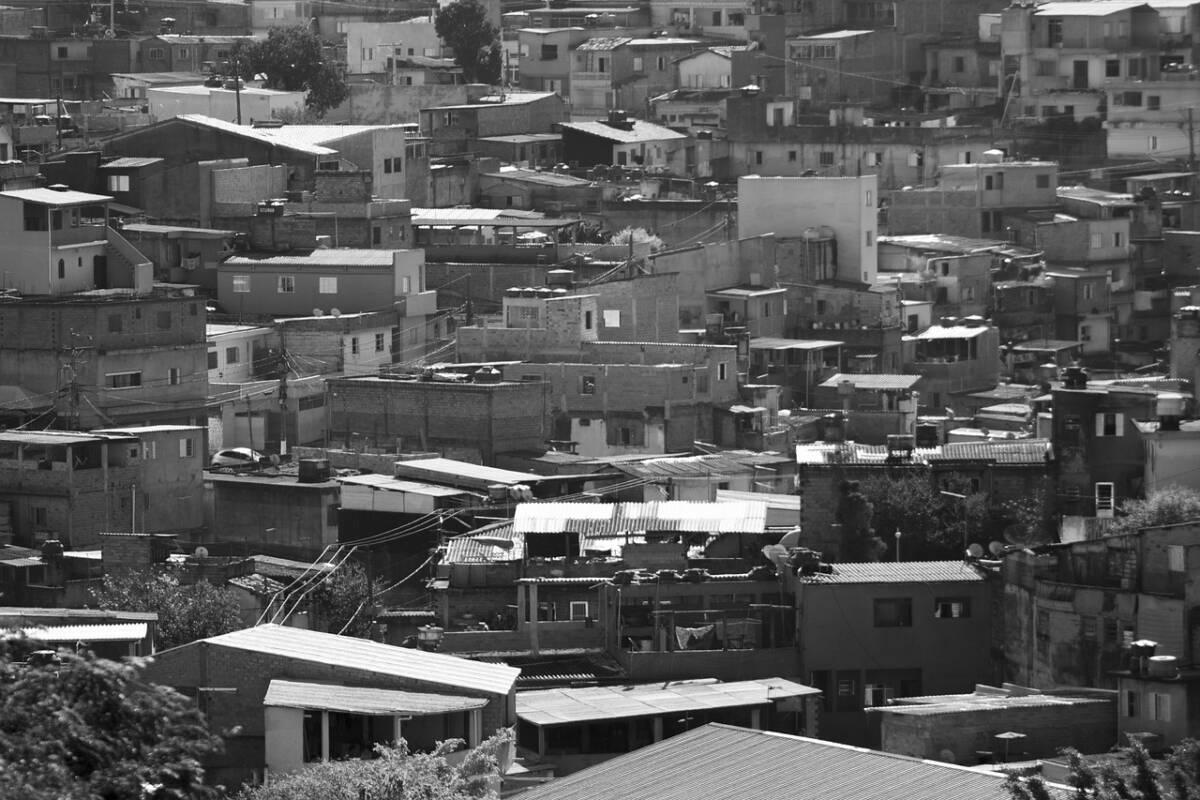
{"x":237,"y":89}
{"x":75,"y":361}
{"x":1191,"y":140}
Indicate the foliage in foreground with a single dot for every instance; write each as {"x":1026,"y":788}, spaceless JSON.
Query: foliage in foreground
{"x":397,"y":773}
{"x":1167,"y":506}
{"x":1130,"y":775}
{"x":88,"y":729}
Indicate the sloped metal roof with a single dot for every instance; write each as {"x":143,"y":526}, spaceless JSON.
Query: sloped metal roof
{"x":612,"y":519}
{"x":592,"y":703}
{"x":114,"y":632}
{"x":348,"y":652}
{"x":900,"y":572}
{"x":873,"y":381}
{"x":721,"y":762}
{"x":365,"y":700}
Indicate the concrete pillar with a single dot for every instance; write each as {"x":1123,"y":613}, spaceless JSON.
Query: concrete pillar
{"x":541,"y":740}
{"x":324,"y":735}
{"x":658,"y":729}
{"x":397,"y":733}
{"x":756,"y":719}
{"x":534,"y":648}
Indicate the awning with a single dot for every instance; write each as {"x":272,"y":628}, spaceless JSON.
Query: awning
{"x":128,"y":211}
{"x":364,"y":700}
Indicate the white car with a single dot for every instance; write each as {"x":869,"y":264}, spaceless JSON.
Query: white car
{"x":237,"y":457}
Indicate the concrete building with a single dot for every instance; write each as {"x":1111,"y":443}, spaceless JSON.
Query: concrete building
{"x":74,"y":486}
{"x":624,"y":141}
{"x":973,"y":199}
{"x":1058,"y":56}
{"x":623,"y":72}
{"x":249,"y":104}
{"x":869,"y":633}
{"x":240,"y":353}
{"x":454,"y":129}
{"x":277,"y":515}
{"x":196,"y":54}
{"x":545,"y":64}
{"x":348,"y":280}
{"x":788,"y":207}
{"x":286,"y":713}
{"x":707,"y":69}
{"x":824,"y":68}
{"x":955,"y":357}
{"x":472,"y":420}
{"x":375,"y":47}
{"x":975,"y":727}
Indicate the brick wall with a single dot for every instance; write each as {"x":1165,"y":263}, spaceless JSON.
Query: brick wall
{"x":343,"y":187}
{"x":483,"y":419}
{"x":1089,"y":726}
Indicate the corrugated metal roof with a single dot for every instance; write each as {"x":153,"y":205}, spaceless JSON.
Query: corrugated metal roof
{"x":458,"y":472}
{"x":364,"y":700}
{"x":389,"y":484}
{"x":640,"y":131}
{"x":873,"y":381}
{"x":1094,"y":8}
{"x":728,"y":463}
{"x":114,"y":632}
{"x":348,"y":652}
{"x":263,"y":135}
{"x":604,"y":43}
{"x":612,"y":519}
{"x":129,"y":162}
{"x":482,"y":546}
{"x":776,"y":343}
{"x":53,"y":197}
{"x":341,"y":256}
{"x":1023,"y":451}
{"x":843,"y":34}
{"x":566,"y":706}
{"x":950,"y":332}
{"x":900,"y":572}
{"x":721,"y":762}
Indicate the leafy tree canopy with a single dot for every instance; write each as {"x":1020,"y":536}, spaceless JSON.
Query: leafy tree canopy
{"x":1168,"y":506}
{"x":292,"y":61}
{"x":1130,"y":774}
{"x":397,"y":773}
{"x":341,"y":602}
{"x":185,"y":613}
{"x":464,"y":26}
{"x":83,"y":728}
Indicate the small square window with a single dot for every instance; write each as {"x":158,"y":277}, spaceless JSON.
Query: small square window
{"x":286,"y":284}
{"x":241,"y":284}
{"x":186,"y":447}
{"x":893,"y":612}
{"x":1043,"y":181}
{"x":327,"y":285}
{"x":587,"y":384}
{"x":173,"y":376}
{"x":380,"y":342}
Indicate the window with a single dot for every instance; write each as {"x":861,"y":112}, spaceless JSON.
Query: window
{"x":1175,"y":560}
{"x":550,"y":53}
{"x":376,"y":234}
{"x":1118,"y":240}
{"x":587,"y":320}
{"x":1085,"y":333}
{"x":163,"y":320}
{"x":1112,"y":68}
{"x":173,"y":376}
{"x":960,"y":64}
{"x":758,"y":156}
{"x":379,"y":342}
{"x":893,"y":612}
{"x":1110,"y":424}
{"x":869,"y":238}
{"x":579,"y":609}
{"x":123,"y":380}
{"x":826,"y":158}
{"x":874,"y":159}
{"x":241,"y":284}
{"x":1043,"y":181}
{"x":722,"y":371}
{"x":1153,"y":102}
{"x":952,"y":608}
{"x":1087,"y":628}
{"x":231,"y":355}
{"x":612,"y":318}
{"x":1089,"y":291}
{"x":39,"y":515}
{"x":213,"y":362}
{"x":1151,"y":144}
{"x":156,"y":53}
{"x":63,"y":52}
{"x":286,"y":284}
{"x":792,"y":156}
{"x":186,"y":447}
{"x":660,"y":63}
{"x":587,"y":384}
{"x":354,"y":345}
{"x":327,"y":285}
{"x":1130,"y":707}
{"x":35,"y":217}
{"x":870,"y":199}
{"x":405,"y":284}
{"x":118,"y":183}
{"x":1159,"y":706}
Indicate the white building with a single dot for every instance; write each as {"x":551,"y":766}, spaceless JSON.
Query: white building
{"x":374,"y":47}
{"x":788,"y":207}
{"x":256,"y":104}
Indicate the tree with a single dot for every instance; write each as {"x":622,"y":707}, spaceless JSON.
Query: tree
{"x":82,"y":728}
{"x":342,"y":601}
{"x":185,"y":613}
{"x":1129,"y":774}
{"x":463,"y":26}
{"x":855,"y":513}
{"x":397,"y":773}
{"x":292,"y":61}
{"x":638,"y":236}
{"x":1168,"y":506}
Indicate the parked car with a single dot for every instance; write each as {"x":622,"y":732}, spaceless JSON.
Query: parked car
{"x":237,"y":457}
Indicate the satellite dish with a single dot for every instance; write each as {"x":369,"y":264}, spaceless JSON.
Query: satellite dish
{"x":200,"y":552}
{"x":996,"y":549}
{"x":317,"y":312}
{"x":791,"y":538}
{"x":776,"y":555}
{"x":335,"y":312}
{"x":975,"y":550}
